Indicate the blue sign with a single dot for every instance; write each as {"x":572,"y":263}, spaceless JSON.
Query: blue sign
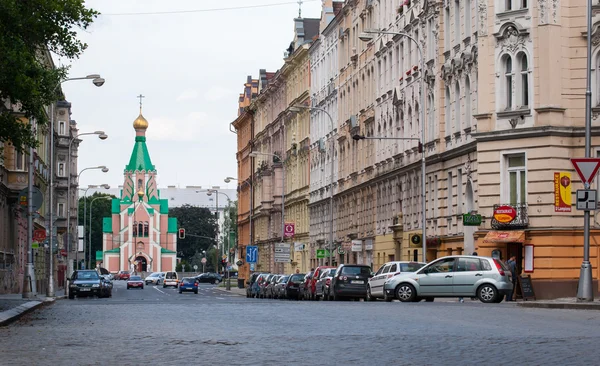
{"x":252,"y":266}
{"x":251,"y":254}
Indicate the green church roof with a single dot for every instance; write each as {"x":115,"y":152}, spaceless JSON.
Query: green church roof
{"x":140,"y":158}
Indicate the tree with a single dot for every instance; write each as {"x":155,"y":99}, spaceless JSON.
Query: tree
{"x":29,"y":30}
{"x":100,"y":209}
{"x":200,"y":226}
{"x":230,"y":225}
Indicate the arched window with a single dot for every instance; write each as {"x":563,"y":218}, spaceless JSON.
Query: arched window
{"x":146,"y":228}
{"x":457,"y":107}
{"x":447,"y":110}
{"x":140,"y":184}
{"x":431,"y":119}
{"x":508,"y":81}
{"x":417,"y":125}
{"x":135,"y":224}
{"x":140,"y":228}
{"x":524,"y":80}
{"x":410,"y":122}
{"x":468,"y":111}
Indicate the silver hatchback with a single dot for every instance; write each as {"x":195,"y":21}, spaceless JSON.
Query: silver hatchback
{"x":454,"y":276}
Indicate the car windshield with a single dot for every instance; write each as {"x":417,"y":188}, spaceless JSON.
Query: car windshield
{"x":284,"y":279}
{"x":91,"y":275}
{"x":189,"y":280}
{"x":135,"y":278}
{"x":410,"y":267}
{"x":171,"y":275}
{"x":356,"y":270}
{"x":297,"y":278}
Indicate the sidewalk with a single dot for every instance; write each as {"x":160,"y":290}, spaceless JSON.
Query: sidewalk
{"x":13,"y":306}
{"x":234,"y":290}
{"x":562,"y":303}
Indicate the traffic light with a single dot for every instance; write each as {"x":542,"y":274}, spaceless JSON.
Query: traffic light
{"x":182,"y":233}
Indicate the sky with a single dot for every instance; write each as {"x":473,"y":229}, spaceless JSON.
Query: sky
{"x":190,"y":67}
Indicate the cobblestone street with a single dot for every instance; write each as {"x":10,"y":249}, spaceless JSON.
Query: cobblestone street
{"x":159,"y":326}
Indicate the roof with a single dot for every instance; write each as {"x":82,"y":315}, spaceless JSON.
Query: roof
{"x":311,"y":28}
{"x":140,"y":158}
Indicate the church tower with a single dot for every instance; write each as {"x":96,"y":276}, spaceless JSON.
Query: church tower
{"x":140,"y":236}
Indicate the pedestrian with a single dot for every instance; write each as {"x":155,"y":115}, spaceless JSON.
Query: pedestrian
{"x":512,"y":265}
{"x":297,"y":270}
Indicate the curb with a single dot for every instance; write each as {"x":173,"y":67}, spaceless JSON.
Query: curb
{"x":560,"y":306}
{"x":230,"y":292}
{"x":9,"y":316}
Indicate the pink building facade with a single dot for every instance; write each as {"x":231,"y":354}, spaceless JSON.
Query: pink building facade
{"x":139,"y":235}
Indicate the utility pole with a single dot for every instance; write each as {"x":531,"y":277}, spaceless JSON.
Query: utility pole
{"x":29,"y":285}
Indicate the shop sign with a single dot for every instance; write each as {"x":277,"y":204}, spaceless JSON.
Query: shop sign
{"x":357,"y":245}
{"x":369,"y":244}
{"x":562,"y":192}
{"x":472,"y":219}
{"x":322,"y":253}
{"x":505,"y":214}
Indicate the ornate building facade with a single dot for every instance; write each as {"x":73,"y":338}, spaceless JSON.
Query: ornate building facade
{"x":139,"y":235}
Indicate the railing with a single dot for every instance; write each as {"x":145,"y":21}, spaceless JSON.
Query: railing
{"x":520,"y":221}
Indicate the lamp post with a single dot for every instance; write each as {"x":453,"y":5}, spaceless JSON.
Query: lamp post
{"x":331,"y":246}
{"x":217,"y":192}
{"x":105,"y":186}
{"x":101,"y":136}
{"x":89,"y":266}
{"x":367,"y":36}
{"x":585,"y":291}
{"x":248,"y":182}
{"x":104,"y":170}
{"x":255,"y":154}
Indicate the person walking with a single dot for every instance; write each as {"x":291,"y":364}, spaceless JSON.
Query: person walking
{"x":512,"y":266}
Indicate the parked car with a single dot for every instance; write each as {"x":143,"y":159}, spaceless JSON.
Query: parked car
{"x":269,"y":289}
{"x":292,"y":289}
{"x":279,"y":289}
{"x":122,"y":275}
{"x":250,"y":283}
{"x":155,"y":278}
{"x":212,"y":278}
{"x":350,"y":281}
{"x":304,"y":286}
{"x":170,"y":279}
{"x":265,"y":284}
{"x":311,"y":290}
{"x":257,"y":285}
{"x":387,"y":271}
{"x":135,"y":282}
{"x":188,"y":284}
{"x":107,"y":285}
{"x":85,"y":283}
{"x":324,"y":283}
{"x":486,"y":278}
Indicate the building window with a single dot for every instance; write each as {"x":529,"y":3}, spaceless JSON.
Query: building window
{"x":456,"y":22}
{"x":524,"y":4}
{"x":135,"y":227}
{"x":431,"y":118}
{"x":507,"y":5}
{"x":508,"y":80}
{"x":61,"y":128}
{"x":459,"y":190}
{"x":61,"y":210}
{"x":516,"y":178}
{"x":468,"y":111}
{"x":447,"y":28}
{"x":457,"y":107}
{"x":524,"y":80}
{"x":61,"y":169}
{"x":450,"y":194}
{"x":447,"y":109}
{"x":468,"y":31}
{"x":19,"y":161}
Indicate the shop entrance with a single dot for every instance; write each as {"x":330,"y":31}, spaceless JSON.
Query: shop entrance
{"x":515,"y":249}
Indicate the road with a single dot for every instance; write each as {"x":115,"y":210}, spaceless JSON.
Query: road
{"x":158,"y":326}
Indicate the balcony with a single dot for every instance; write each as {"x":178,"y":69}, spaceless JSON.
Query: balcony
{"x":520,"y":220}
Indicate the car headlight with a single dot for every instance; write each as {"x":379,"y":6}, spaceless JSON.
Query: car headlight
{"x":96,"y":285}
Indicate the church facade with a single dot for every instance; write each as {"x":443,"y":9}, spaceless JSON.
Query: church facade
{"x":139,"y":235}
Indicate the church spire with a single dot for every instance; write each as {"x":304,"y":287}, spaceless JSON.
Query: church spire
{"x":140,"y":124}
{"x":140,"y":157}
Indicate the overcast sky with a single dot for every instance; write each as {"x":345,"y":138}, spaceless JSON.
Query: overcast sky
{"x":190,"y":67}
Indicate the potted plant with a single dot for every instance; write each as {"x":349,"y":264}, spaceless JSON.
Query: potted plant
{"x":415,"y":68}
{"x":408,"y":72}
{"x":401,"y":78}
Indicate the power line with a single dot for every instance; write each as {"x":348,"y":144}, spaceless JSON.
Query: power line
{"x":208,"y":10}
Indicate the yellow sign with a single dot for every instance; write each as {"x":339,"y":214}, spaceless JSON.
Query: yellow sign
{"x":562,"y":192}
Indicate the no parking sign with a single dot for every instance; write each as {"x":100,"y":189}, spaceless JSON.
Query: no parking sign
{"x":289,"y":229}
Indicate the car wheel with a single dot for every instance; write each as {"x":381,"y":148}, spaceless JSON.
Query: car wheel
{"x":71,"y":295}
{"x":405,"y":292}
{"x":196,"y":292}
{"x":164,"y":286}
{"x":429,"y":299}
{"x":128,"y":287}
{"x":386,"y":297}
{"x":142,"y":287}
{"x":369,"y":296}
{"x":180,"y":291}
{"x":487,"y":293}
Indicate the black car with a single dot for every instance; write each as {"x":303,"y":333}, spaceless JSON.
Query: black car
{"x":292,"y":289}
{"x":213,"y":278}
{"x":86,"y":282}
{"x":350,"y":281}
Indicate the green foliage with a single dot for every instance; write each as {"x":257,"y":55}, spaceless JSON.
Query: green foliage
{"x":200,"y":226}
{"x":28,"y":30}
{"x":100,"y":209}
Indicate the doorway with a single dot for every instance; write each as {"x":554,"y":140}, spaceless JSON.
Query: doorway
{"x":515,"y":249}
{"x":142,"y":265}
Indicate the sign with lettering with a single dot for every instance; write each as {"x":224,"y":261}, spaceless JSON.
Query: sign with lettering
{"x":471,"y":219}
{"x":562,"y":192}
{"x":505,"y":214}
{"x":526,"y":287}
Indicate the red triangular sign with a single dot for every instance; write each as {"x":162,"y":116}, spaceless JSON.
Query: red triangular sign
{"x":586,"y":168}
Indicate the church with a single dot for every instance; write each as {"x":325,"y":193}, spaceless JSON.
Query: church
{"x":139,"y":235}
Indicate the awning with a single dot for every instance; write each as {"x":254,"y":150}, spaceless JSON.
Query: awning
{"x":516,"y":236}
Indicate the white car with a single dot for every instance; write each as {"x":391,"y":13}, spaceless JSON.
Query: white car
{"x":387,"y":271}
{"x":154,"y":278}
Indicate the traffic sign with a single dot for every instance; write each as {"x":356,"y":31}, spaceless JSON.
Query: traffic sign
{"x":586,"y":168}
{"x":203,"y":260}
{"x":195,"y":266}
{"x":289,"y":229}
{"x":587,"y":199}
{"x":39,"y":235}
{"x":251,"y":254}
{"x":36,"y":194}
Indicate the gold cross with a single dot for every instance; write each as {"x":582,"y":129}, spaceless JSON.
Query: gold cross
{"x":141,"y":96}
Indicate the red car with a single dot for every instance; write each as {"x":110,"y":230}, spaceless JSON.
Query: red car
{"x":135,"y":282}
{"x":311,"y":286}
{"x":122,"y":275}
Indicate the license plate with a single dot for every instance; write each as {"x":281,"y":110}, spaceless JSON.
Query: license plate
{"x":358,"y":282}
{"x":85,"y":289}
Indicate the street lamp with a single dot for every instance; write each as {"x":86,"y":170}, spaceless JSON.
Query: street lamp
{"x":90,"y":235}
{"x":367,"y":36}
{"x":251,"y":208}
{"x":105,"y":186}
{"x":104,"y":170}
{"x":217,"y":192}
{"x":331,"y":246}
{"x":98,"y":81}
{"x":257,"y":153}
